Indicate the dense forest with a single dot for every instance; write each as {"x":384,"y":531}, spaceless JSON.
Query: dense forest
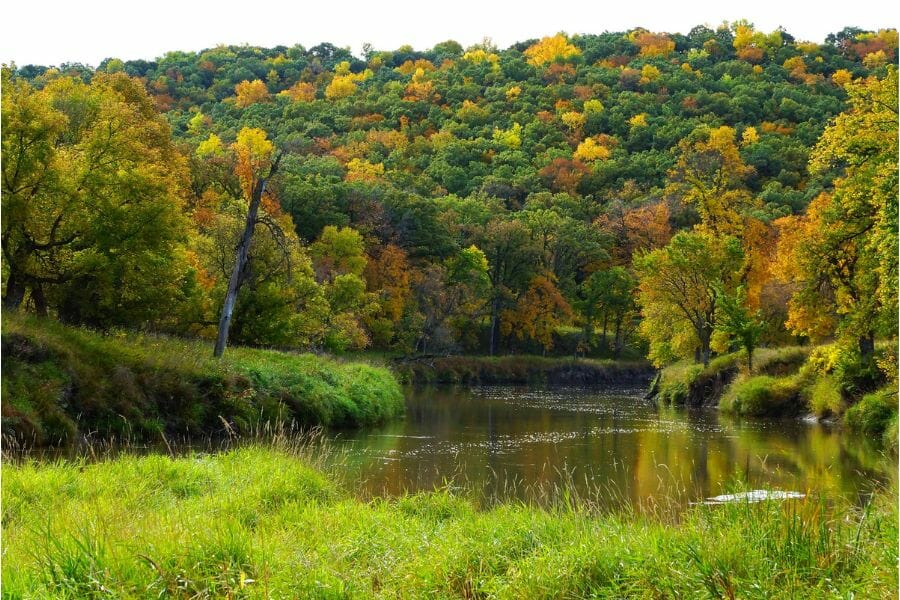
{"x":603,"y":195}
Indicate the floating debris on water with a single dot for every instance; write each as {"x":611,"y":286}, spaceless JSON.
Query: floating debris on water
{"x":753,"y":496}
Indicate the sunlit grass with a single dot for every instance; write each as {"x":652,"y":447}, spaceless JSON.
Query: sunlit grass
{"x":60,"y":383}
{"x":273,"y":521}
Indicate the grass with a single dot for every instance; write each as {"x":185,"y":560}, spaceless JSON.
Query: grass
{"x":61,"y":383}
{"x":689,"y":383}
{"x":267,"y":522}
{"x":520,"y":369}
{"x":875,"y":415}
{"x":764,"y":396}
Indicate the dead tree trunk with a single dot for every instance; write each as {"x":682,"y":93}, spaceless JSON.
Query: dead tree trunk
{"x":240,"y":262}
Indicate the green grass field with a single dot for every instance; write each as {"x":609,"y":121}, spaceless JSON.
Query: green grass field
{"x":269,"y":522}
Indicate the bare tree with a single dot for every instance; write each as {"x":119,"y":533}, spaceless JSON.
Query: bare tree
{"x":239,"y":273}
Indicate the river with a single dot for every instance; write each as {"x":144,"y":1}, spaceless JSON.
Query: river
{"x":608,"y":445}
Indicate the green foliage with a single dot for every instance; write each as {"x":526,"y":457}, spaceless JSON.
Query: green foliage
{"x":681,"y":287}
{"x":763,"y":396}
{"x":875,"y":415}
{"x":257,"y":522}
{"x":825,"y":397}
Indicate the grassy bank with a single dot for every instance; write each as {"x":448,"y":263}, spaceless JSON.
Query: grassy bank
{"x":60,"y":382}
{"x":520,"y":369}
{"x":826,"y":381}
{"x":265,"y":523}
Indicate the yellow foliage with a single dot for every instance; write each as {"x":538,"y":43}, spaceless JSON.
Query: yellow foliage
{"x":573,"y":120}
{"x":873,"y":60}
{"x":749,"y":137}
{"x":593,"y":106}
{"x":250,"y":92}
{"x":649,"y":73}
{"x":300,"y":92}
{"x":550,"y":49}
{"x":511,"y":138}
{"x":480,"y":55}
{"x":590,"y":150}
{"x":409,"y":67}
{"x":211,"y":147}
{"x":254,"y":152}
{"x":341,"y":86}
{"x":513,"y":92}
{"x":842,"y":77}
{"x":638,"y":120}
{"x":363,"y":170}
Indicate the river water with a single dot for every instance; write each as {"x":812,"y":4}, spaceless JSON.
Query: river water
{"x":605,"y":444}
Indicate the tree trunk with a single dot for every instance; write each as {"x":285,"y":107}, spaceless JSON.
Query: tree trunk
{"x":15,"y":291}
{"x":495,"y":322}
{"x":750,"y":360}
{"x":240,"y":262}
{"x":617,"y":348}
{"x":605,"y":344}
{"x":40,"y":301}
{"x":867,"y":345}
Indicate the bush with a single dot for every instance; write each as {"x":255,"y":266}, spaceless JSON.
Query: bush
{"x":824,"y":397}
{"x":763,"y":395}
{"x":875,"y":415}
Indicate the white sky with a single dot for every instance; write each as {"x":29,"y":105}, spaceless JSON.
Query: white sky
{"x":45,"y":32}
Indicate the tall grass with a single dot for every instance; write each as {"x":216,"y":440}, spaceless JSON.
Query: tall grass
{"x":62,"y":383}
{"x":268,"y":522}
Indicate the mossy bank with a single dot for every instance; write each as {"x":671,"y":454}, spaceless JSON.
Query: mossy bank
{"x":60,"y":383}
{"x":264,"y":523}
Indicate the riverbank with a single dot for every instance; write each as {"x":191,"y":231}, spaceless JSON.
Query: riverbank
{"x":826,"y":382}
{"x":268,"y":522}
{"x":521,"y":369}
{"x":61,"y":383}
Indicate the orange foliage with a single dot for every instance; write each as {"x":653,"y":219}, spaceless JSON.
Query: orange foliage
{"x":564,"y":175}
{"x":389,"y":272}
{"x":538,"y":312}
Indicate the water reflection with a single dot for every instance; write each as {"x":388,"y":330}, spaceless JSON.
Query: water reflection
{"x":608,"y":443}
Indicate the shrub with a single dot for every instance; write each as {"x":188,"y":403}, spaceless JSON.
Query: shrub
{"x":763,"y":395}
{"x":875,"y":414}
{"x":824,"y":397}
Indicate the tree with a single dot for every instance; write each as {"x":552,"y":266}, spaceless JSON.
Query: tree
{"x":841,"y":255}
{"x":710,"y":175}
{"x":93,"y":190}
{"x":511,"y":256}
{"x":537,"y":313}
{"x":250,"y":92}
{"x":255,"y":167}
{"x":680,"y":287}
{"x":736,"y":322}
{"x":606,"y":297}
{"x":550,"y":49}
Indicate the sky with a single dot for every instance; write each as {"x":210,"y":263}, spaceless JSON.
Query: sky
{"x":87,"y":31}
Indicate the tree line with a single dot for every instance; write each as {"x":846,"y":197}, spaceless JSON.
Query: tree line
{"x":675,"y":194}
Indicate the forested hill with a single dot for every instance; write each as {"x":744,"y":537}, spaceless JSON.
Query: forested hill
{"x":464,"y":183}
